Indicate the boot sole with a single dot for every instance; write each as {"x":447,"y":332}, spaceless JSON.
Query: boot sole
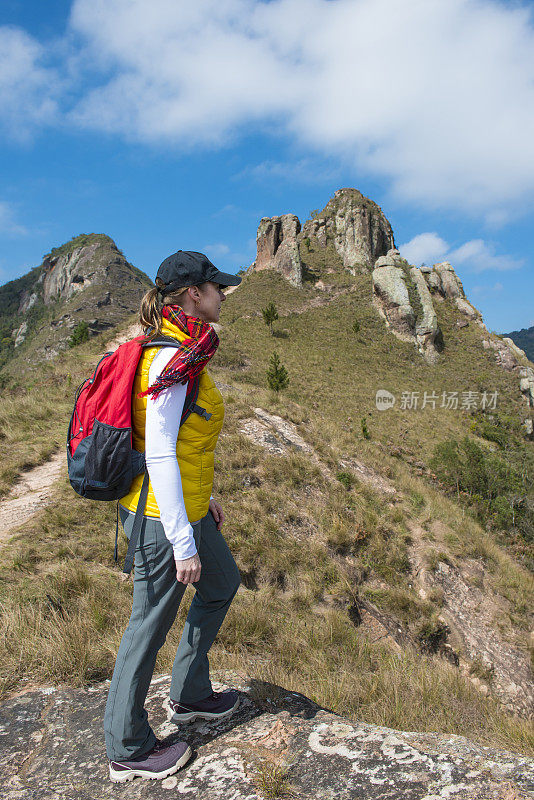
{"x":189,"y":717}
{"x":122,"y":777}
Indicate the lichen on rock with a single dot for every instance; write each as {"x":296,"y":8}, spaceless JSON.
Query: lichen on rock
{"x":52,"y":747}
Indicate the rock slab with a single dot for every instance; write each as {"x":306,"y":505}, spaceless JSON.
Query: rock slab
{"x":51,"y":748}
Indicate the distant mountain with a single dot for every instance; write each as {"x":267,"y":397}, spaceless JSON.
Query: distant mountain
{"x":524,"y":339}
{"x":86,"y":280}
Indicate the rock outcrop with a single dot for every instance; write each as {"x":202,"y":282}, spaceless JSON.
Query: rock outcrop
{"x":357,"y":227}
{"x":404,"y":296}
{"x":94,"y":261}
{"x":350,"y":223}
{"x":526,"y":385}
{"x":443,"y":280}
{"x":403,"y":299}
{"x":85,"y":280}
{"x":277,"y":247}
{"x":277,"y":744}
{"x":352,"y":233}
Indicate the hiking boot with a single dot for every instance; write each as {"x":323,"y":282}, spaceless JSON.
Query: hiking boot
{"x":162,"y":760}
{"x":216,"y":706}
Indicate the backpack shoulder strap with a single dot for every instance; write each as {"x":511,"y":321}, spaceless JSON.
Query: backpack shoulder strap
{"x":162,"y":341}
{"x":136,"y":528}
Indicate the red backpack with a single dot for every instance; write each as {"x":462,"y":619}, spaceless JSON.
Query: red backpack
{"x":101,"y":460}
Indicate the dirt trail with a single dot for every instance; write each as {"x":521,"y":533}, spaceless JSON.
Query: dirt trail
{"x":130,"y":333}
{"x":29,"y":494}
{"x":34,"y":489}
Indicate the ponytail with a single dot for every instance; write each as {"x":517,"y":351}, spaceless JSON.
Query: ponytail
{"x":150,"y":312}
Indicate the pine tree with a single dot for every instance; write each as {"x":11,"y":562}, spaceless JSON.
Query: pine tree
{"x":80,"y":334}
{"x":277,"y":376}
{"x":270,"y":314}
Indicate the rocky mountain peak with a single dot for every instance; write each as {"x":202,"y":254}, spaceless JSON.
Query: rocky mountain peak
{"x":86,"y":279}
{"x":76,"y":265}
{"x":351,"y":225}
{"x":359,"y":228}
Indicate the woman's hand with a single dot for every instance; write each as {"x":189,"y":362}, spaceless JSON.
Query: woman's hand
{"x":188,"y":569}
{"x":218,"y":514}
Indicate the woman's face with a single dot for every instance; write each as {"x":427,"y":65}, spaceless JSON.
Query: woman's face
{"x":211,"y":297}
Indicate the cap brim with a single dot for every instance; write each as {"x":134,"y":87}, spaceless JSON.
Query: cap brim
{"x":225,"y":279}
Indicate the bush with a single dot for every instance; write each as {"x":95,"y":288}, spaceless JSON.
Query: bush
{"x":496,"y":489}
{"x":277,"y":376}
{"x":345,"y":478}
{"x":79,"y":334}
{"x":270,"y":314}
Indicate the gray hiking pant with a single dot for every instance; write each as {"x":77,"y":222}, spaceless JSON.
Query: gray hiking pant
{"x":156,"y":598}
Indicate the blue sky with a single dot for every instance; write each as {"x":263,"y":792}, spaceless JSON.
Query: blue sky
{"x":173,"y":126}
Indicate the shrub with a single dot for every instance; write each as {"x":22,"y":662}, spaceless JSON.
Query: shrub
{"x":270,"y":314}
{"x":345,"y":478}
{"x":79,"y":334}
{"x":277,"y":376}
{"x":496,"y":490}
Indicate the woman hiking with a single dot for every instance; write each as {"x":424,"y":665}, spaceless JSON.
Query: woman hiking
{"x":180,"y":540}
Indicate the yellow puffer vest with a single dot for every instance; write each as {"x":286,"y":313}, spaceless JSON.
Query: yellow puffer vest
{"x":196,"y":439}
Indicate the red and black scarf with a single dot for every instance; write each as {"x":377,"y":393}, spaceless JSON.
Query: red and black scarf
{"x":192,"y":355}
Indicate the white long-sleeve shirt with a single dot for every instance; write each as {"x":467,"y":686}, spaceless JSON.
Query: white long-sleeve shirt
{"x":163,"y":416}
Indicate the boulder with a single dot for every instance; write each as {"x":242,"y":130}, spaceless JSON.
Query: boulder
{"x":526,"y":385}
{"x":467,"y":308}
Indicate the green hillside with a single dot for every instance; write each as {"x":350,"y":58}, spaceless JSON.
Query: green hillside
{"x":318,"y":547}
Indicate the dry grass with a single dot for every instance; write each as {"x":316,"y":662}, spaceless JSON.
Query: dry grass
{"x":299,"y":539}
{"x":272,"y":780}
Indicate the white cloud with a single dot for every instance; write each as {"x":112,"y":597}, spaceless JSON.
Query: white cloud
{"x":229,"y":210}
{"x":425,"y":248}
{"x":217,"y":250}
{"x":435,"y":97}
{"x":27,"y":88}
{"x":479,"y":256}
{"x":228,"y":260}
{"x":8,"y":222}
{"x":476,"y":254}
{"x":485,"y":291}
{"x":304,"y":170}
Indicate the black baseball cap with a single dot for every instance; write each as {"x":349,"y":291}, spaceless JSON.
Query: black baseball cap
{"x":189,"y":268}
